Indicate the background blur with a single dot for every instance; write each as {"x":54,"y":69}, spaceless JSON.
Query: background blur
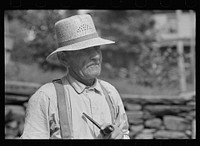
{"x":154,"y":54}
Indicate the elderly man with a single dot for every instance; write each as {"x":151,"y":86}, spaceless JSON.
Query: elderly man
{"x":57,"y":109}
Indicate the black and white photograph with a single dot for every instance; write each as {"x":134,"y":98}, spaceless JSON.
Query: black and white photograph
{"x":100,"y":74}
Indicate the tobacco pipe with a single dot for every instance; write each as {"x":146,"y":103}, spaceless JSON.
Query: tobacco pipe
{"x":106,"y":131}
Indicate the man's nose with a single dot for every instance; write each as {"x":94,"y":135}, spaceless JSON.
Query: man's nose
{"x":96,"y":55}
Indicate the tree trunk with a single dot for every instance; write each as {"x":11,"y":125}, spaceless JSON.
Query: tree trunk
{"x":180,"y":49}
{"x":131,"y":66}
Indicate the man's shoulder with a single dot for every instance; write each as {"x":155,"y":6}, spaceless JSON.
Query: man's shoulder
{"x":112,"y":91}
{"x":46,"y":86}
{"x":48,"y":89}
{"x":108,"y":86}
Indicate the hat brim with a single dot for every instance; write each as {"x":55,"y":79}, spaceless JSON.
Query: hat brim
{"x":80,"y":45}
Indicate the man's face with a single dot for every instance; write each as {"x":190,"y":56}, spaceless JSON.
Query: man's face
{"x":86,"y":63}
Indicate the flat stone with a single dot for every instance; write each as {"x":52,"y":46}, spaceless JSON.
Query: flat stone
{"x":148,"y":115}
{"x":11,"y":132}
{"x":7,"y":111}
{"x":188,"y":95}
{"x":10,"y":137}
{"x":135,"y":117}
{"x":167,"y":109}
{"x":131,"y":135}
{"x":133,"y":121}
{"x":12,"y":124}
{"x":188,"y":116}
{"x":192,"y":103}
{"x":25,"y":105}
{"x":133,"y":107}
{"x":175,"y":123}
{"x":164,"y":134}
{"x":135,"y":114}
{"x":188,"y":132}
{"x":149,"y":131}
{"x":8,"y":115}
{"x":192,"y":114}
{"x":184,"y":114}
{"x":162,"y":127}
{"x":19,"y":110}
{"x":144,"y":136}
{"x":153,"y":123}
{"x":152,"y":99}
{"x":134,"y":129}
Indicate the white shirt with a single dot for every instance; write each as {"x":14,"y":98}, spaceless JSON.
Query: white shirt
{"x":42,"y":120}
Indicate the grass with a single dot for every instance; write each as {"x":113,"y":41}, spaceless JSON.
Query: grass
{"x":32,"y":73}
{"x":126,"y":87}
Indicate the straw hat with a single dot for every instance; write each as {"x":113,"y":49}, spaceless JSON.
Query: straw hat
{"x":76,"y":33}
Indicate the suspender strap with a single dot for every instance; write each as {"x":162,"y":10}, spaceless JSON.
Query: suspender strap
{"x":63,"y":110}
{"x":64,"y":105}
{"x":110,"y":103}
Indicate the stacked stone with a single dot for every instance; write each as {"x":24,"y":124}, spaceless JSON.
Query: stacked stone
{"x":14,"y":121}
{"x":160,"y":117}
{"x":150,"y":117}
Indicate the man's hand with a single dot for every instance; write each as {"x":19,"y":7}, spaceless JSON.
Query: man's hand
{"x":116,"y":134}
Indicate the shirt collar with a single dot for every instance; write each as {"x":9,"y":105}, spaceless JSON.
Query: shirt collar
{"x":80,"y":87}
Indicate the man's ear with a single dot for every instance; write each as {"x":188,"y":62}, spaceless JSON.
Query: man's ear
{"x":63,"y":58}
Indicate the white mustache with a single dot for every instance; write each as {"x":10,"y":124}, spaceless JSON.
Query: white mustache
{"x":93,"y":64}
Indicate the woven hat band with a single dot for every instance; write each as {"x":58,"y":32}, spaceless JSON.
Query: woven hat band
{"x":79,"y":39}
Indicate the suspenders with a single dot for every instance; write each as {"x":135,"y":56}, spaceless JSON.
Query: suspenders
{"x":65,"y":117}
{"x":110,"y":103}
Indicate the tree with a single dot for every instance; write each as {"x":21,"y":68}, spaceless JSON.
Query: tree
{"x":133,"y":32}
{"x":128,"y":28}
{"x":41,"y":24}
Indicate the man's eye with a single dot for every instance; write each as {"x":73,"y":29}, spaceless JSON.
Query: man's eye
{"x":98,"y":50}
{"x":78,"y":53}
{"x":81,"y":53}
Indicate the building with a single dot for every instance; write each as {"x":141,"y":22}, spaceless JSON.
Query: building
{"x":174,"y":25}
{"x":8,"y":41}
{"x":176,"y":29}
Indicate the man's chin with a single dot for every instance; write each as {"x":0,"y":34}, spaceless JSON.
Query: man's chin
{"x":93,"y":76}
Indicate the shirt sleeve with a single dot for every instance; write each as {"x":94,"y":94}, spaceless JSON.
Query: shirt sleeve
{"x":121,"y":117}
{"x":36,"y":120}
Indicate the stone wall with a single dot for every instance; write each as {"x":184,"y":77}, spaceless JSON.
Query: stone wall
{"x":161,"y":117}
{"x":150,"y":117}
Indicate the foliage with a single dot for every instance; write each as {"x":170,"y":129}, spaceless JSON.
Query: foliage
{"x":134,"y":34}
{"x":158,"y":69}
{"x":19,"y":34}
{"x":41,"y":24}
{"x":132,"y":30}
